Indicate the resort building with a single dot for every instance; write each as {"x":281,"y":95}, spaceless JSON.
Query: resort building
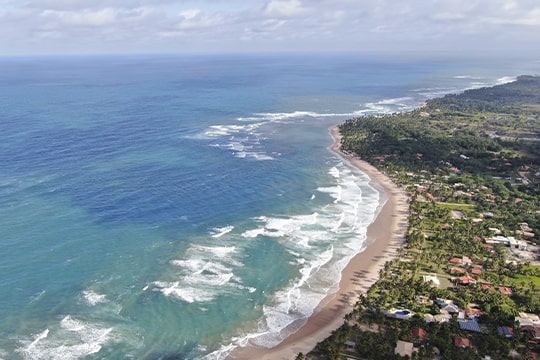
{"x":527,"y":319}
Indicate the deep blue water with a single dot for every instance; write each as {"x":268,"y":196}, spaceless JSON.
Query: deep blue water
{"x":177,"y":206}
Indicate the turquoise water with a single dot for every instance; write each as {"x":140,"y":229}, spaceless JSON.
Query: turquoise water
{"x":176,"y":207}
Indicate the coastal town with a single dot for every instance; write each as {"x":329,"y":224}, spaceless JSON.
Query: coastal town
{"x":466,"y":284}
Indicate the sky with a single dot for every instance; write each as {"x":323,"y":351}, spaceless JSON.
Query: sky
{"x":233,"y":26}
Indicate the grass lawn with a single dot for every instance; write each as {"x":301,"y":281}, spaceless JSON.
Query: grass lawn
{"x":525,"y":279}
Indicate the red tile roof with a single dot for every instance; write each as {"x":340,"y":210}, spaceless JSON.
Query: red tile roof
{"x":467,"y":279}
{"x":506,"y":290}
{"x":462,"y":342}
{"x":419,"y":333}
{"x":457,"y":270}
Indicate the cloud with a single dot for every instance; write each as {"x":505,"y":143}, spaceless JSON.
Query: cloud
{"x":195,"y":19}
{"x":101,"y":17}
{"x":530,"y":17}
{"x":190,"y":14}
{"x":281,"y":25}
{"x":284,"y":8}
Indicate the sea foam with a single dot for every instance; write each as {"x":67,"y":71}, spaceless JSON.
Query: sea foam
{"x":244,"y":138}
{"x":93,"y":298}
{"x":219,"y":232}
{"x":70,"y":339}
{"x":202,"y":274}
{"x":322,"y":243}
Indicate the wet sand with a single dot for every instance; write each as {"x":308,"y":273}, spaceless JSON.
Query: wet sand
{"x":385,"y":236}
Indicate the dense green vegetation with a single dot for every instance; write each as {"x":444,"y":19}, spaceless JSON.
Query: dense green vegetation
{"x":471,"y":164}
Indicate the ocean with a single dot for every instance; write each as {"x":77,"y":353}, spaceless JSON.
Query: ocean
{"x":180,"y":206}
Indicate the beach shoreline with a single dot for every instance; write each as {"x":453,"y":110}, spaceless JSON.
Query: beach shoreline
{"x":384,"y":237}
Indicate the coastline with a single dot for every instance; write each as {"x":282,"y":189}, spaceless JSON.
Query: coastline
{"x":384,"y":237}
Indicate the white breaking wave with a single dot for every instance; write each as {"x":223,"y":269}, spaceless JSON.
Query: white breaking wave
{"x":93,"y":298}
{"x":219,"y":232}
{"x":204,"y":273}
{"x":474,"y":82}
{"x":506,"y":80}
{"x":244,"y":138}
{"x":434,"y":92}
{"x":322,"y":244}
{"x":71,"y":339}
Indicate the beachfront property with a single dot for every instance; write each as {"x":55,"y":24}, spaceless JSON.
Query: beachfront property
{"x":488,"y":283}
{"x":438,"y":318}
{"x":508,"y":241}
{"x":528,"y":319}
{"x":402,"y":314}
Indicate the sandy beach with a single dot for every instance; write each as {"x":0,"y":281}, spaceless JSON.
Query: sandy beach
{"x":385,"y":236}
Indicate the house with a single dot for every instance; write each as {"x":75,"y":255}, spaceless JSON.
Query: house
{"x":457,"y":270}
{"x":434,"y":279}
{"x":522,"y":245}
{"x":469,"y":325}
{"x":505,"y":331}
{"x":476,"y":271}
{"x":495,"y":231}
{"x":462,"y":342}
{"x":509,"y":241}
{"x":419,"y":335}
{"x":350,"y":344}
{"x":444,"y":302}
{"x":532,"y":331}
{"x":465,"y":261}
{"x":466,"y":280}
{"x":439,"y":318}
{"x":450,"y":308}
{"x":404,"y":348}
{"x":526,"y":319}
{"x":473,"y":312}
{"x":499,"y":239}
{"x":506,"y":290}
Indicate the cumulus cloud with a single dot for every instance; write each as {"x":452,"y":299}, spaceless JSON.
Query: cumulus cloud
{"x":284,"y":8}
{"x":190,"y":13}
{"x":101,"y":17}
{"x":237,"y":25}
